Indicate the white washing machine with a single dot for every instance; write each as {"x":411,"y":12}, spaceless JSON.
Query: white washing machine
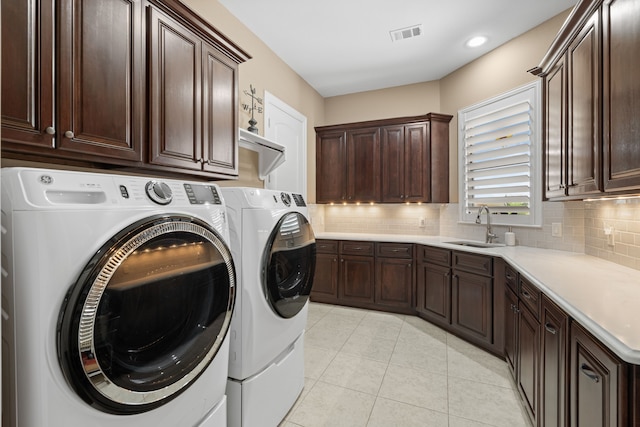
{"x":275,"y":253}
{"x":117,"y":298}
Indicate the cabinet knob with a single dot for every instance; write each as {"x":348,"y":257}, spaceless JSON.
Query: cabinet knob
{"x":69,"y":134}
{"x":549,"y":327}
{"x":49,"y":130}
{"x":588,"y":372}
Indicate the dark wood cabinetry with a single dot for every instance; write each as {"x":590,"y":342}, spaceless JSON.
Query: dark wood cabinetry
{"x":125,"y":83}
{"x":193,"y":99}
{"x":598,"y":383}
{"x":393,"y":160}
{"x":365,"y":274}
{"x":455,"y":290}
{"x":592,"y":122}
{"x":394,"y":276}
{"x":80,"y":97}
{"x":553,"y":360}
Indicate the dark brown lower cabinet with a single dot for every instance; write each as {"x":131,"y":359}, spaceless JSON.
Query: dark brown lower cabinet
{"x":598,"y":383}
{"x":433,"y":293}
{"x":394,"y":277}
{"x":472,"y":306}
{"x":528,"y":364}
{"x":553,"y":370}
{"x":325,"y":281}
{"x":378,"y":276}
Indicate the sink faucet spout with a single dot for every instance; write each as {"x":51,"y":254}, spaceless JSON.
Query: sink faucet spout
{"x":490,"y":235}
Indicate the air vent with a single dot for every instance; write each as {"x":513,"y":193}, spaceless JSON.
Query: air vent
{"x":406,"y":33}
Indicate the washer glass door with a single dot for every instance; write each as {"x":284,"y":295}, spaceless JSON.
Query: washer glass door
{"x":147,"y":315}
{"x":288,"y":264}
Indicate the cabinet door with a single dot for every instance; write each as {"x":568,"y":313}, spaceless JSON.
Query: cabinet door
{"x":555,"y":133}
{"x":417,"y":176}
{"x":472,"y":306}
{"x":325,"y":279}
{"x":528,"y":354}
{"x":553,"y":364}
{"x":393,"y":286}
{"x":100,"y":92}
{"x":363,"y":165}
{"x":219,"y":112}
{"x":356,"y":279}
{"x":331,"y":171}
{"x":393,"y":166}
{"x":598,"y":383}
{"x":27,"y":74}
{"x":433,"y":293}
{"x":511,"y":331}
{"x":584,"y":141}
{"x":621,"y":40}
{"x":175,"y":100}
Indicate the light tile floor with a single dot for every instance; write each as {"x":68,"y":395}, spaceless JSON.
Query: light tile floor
{"x":375,"y":369}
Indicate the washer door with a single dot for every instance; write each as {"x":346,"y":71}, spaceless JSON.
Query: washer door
{"x":288,"y":265}
{"x":147,"y":315}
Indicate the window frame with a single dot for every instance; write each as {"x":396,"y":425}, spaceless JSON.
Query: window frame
{"x":531,"y":92}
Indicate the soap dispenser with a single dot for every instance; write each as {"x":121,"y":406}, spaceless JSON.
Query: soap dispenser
{"x":510,"y":237}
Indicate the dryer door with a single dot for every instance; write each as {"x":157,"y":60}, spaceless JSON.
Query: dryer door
{"x":288,"y":264}
{"x":147,"y":315}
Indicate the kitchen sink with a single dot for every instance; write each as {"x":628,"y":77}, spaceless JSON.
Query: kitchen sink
{"x":473,"y":244}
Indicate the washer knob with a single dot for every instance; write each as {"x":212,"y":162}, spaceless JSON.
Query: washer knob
{"x":159,"y":192}
{"x":286,"y":199}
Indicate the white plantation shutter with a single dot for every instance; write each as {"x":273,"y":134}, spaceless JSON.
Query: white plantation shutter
{"x":499,"y":145}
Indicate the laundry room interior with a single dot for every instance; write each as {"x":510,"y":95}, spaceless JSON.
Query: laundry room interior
{"x":221,"y":213}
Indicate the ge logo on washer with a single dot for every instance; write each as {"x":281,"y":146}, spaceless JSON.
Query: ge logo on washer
{"x":46,"y":179}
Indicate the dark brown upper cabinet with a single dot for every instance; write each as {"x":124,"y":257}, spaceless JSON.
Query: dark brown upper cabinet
{"x":110,"y":83}
{"x":193,"y":98}
{"x":72,"y":79}
{"x":592,"y":116}
{"x":390,"y":161}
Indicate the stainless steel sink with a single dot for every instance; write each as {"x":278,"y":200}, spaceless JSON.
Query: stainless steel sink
{"x":473,"y":244}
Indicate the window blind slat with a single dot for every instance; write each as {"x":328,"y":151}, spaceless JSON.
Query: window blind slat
{"x":498,"y":201}
{"x":509,"y":181}
{"x":498,"y":114}
{"x":518,"y":169}
{"x":499,"y":143}
{"x":507,"y":191}
{"x":504,"y":153}
{"x":522,"y":128}
{"x":507,"y":122}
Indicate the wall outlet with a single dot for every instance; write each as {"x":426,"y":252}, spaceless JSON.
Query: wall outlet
{"x":609,"y":233}
{"x":422,"y":222}
{"x":556,"y":229}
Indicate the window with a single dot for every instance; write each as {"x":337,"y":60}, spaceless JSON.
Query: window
{"x":499,"y":152}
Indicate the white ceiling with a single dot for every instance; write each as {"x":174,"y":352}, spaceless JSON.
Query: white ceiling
{"x":344,"y":46}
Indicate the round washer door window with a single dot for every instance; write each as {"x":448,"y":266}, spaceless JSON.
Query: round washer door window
{"x":288,"y":264}
{"x":147,"y":315}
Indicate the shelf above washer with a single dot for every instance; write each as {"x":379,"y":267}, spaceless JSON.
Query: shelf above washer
{"x":270,"y":153}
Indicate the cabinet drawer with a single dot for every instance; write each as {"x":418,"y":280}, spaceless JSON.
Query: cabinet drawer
{"x":394,"y":250}
{"x":511,"y":278}
{"x":326,"y":246}
{"x":473,"y":263}
{"x":435,"y":255}
{"x":356,"y":248}
{"x":530,"y":295}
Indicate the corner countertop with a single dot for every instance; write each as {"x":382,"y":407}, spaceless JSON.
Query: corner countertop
{"x":602,"y":296}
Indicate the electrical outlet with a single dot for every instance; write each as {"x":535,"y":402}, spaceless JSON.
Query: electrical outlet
{"x":556,"y":229}
{"x":422,"y":222}
{"x":609,"y":233}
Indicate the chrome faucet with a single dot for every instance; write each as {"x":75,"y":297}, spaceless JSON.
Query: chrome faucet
{"x":490,"y":235}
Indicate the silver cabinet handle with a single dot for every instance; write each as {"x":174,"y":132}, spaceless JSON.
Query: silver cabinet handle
{"x":69,"y":134}
{"x":549,"y":327}
{"x":526,"y":294}
{"x":586,"y":370}
{"x":49,"y":130}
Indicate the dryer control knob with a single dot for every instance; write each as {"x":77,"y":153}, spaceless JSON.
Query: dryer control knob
{"x":286,"y":199}
{"x":159,"y":192}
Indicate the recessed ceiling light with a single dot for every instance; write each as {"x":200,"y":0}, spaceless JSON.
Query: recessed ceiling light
{"x":476,"y":41}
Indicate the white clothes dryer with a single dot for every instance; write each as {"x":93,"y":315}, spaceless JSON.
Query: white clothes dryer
{"x":117,"y":300}
{"x":274,"y":248}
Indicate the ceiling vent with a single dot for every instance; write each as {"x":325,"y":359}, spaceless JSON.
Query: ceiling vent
{"x":406,"y":33}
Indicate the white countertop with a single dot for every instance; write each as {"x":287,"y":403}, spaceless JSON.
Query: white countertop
{"x":602,"y":296}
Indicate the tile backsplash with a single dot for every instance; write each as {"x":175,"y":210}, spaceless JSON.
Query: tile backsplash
{"x":582,"y":225}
